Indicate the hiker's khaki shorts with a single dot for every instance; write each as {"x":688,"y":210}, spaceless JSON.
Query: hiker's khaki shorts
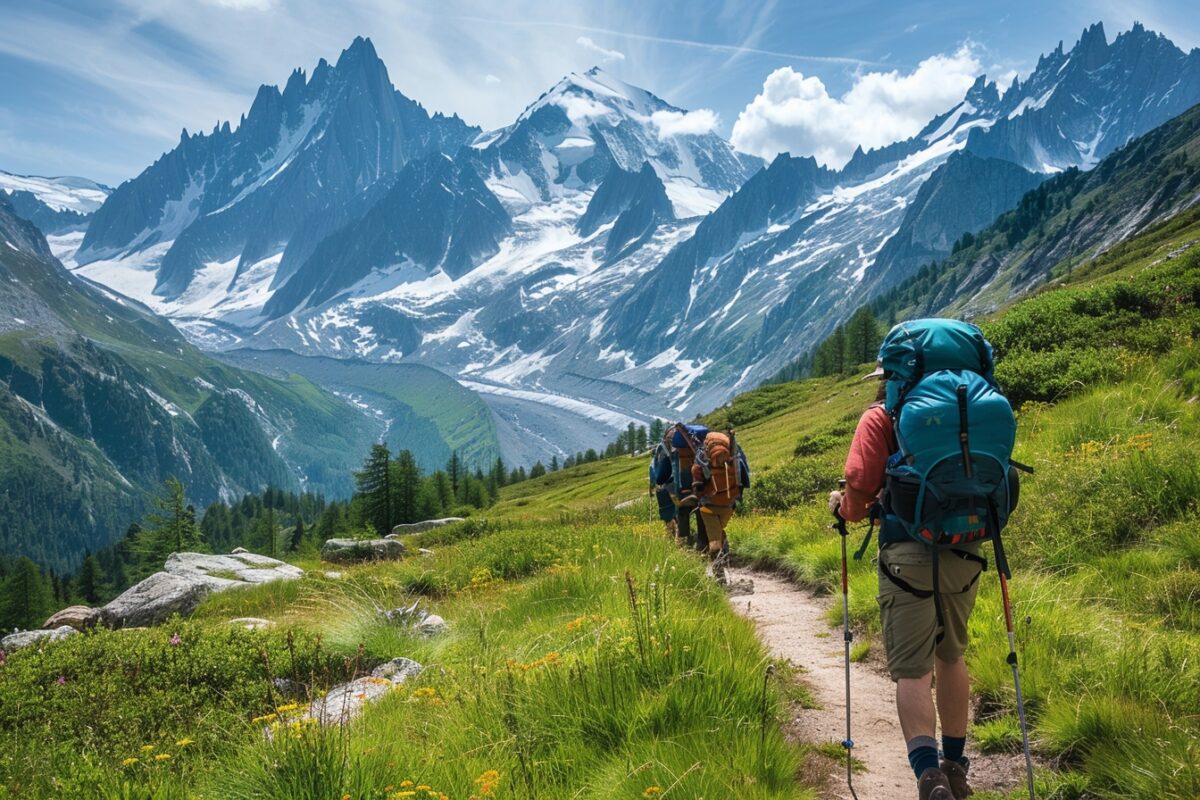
{"x":716,"y":519}
{"x":909,"y":622}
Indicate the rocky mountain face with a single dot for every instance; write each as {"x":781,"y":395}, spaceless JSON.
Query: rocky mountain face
{"x":1079,"y":106}
{"x":1062,"y":225}
{"x":540,"y":265}
{"x":295,"y":161}
{"x":438,"y":215}
{"x":964,"y":195}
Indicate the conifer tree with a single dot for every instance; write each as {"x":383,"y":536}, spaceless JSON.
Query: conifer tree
{"x":373,"y":485}
{"x":87,"y":584}
{"x":407,"y":480}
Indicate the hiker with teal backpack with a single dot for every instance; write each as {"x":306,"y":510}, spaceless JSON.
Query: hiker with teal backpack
{"x":931,"y":461}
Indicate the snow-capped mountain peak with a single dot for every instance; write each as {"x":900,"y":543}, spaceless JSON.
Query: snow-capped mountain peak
{"x":573,"y":134}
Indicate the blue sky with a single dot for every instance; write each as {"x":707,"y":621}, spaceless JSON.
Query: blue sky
{"x":101,"y":89}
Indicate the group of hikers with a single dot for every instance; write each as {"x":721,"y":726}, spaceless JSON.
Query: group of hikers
{"x":930,"y":466}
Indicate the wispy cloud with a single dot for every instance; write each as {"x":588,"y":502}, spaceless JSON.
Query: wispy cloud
{"x":490,"y":79}
{"x":605,"y":54}
{"x":716,"y":47}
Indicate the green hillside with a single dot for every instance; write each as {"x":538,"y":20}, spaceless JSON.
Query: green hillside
{"x":100,"y":401}
{"x":426,"y":411}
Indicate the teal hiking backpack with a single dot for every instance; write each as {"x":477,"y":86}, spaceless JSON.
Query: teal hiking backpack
{"x":952,"y":481}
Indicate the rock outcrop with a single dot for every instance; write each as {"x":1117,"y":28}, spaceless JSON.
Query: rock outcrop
{"x":15,"y":641}
{"x":346,"y":701}
{"x":80,"y":618}
{"x":188,"y":578}
{"x":348,"y":551}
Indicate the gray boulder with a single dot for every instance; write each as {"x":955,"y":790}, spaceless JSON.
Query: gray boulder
{"x":346,"y":701}
{"x":15,"y":641}
{"x":347,"y":551}
{"x":186,"y":579}
{"x":244,"y":567}
{"x":80,"y":618}
{"x":426,"y":525}
{"x":158,"y":597}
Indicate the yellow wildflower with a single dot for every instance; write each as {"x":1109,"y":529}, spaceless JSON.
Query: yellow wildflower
{"x":163,"y":757}
{"x":146,"y":748}
{"x":184,"y":742}
{"x":405,"y":784}
{"x":265,"y":718}
{"x":652,"y":791}
{"x":129,"y":762}
{"x":424,"y":787}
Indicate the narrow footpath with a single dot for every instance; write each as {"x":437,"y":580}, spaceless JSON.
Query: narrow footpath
{"x":791,"y":622}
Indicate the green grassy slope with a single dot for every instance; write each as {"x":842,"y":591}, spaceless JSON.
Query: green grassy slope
{"x":429,"y":412}
{"x":100,"y":401}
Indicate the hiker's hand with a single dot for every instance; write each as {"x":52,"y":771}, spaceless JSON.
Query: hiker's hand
{"x":835,"y":502}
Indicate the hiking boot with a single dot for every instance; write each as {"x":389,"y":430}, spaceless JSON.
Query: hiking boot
{"x":933,"y":785}
{"x":956,"y":774}
{"x":718,"y":569}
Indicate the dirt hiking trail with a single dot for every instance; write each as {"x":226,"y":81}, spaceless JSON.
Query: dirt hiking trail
{"x":791,"y":622}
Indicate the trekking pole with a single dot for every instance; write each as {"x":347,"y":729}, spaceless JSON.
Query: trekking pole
{"x":1012,"y":660}
{"x":848,"y":742}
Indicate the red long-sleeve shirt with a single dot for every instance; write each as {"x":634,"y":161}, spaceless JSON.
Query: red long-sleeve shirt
{"x":866,"y":464}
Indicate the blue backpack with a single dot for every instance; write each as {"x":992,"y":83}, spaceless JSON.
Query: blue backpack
{"x":952,"y":480}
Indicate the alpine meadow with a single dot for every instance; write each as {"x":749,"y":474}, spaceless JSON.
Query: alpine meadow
{"x":831,"y":434}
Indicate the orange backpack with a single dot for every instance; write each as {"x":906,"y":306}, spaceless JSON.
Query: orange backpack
{"x":723,"y":486}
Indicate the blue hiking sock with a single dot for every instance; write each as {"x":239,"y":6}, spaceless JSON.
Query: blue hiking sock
{"x":952,"y":748}
{"x":922,"y":754}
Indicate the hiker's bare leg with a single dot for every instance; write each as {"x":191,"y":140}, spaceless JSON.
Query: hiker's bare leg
{"x":953,"y":696}
{"x":914,"y":704}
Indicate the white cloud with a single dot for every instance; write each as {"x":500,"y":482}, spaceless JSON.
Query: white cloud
{"x":605,"y":54}
{"x":694,"y":123}
{"x":490,"y":79}
{"x":796,"y":114}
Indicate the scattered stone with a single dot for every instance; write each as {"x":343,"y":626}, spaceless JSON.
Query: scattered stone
{"x":426,"y":525}
{"x":739,"y":587}
{"x":252,"y":623}
{"x":425,"y":551}
{"x":237,"y":551}
{"x":398,"y":670}
{"x":627,"y":503}
{"x":290,"y":688}
{"x":346,"y":551}
{"x":416,"y":618}
{"x":186,"y":579}
{"x":81,"y":618}
{"x":410,"y":615}
{"x":333,"y":575}
{"x":15,"y":641}
{"x":346,"y":701}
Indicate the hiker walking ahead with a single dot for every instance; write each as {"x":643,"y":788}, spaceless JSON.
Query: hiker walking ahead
{"x":675,"y":476}
{"x":719,"y":476}
{"x":661,"y":483}
{"x":945,"y":429}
